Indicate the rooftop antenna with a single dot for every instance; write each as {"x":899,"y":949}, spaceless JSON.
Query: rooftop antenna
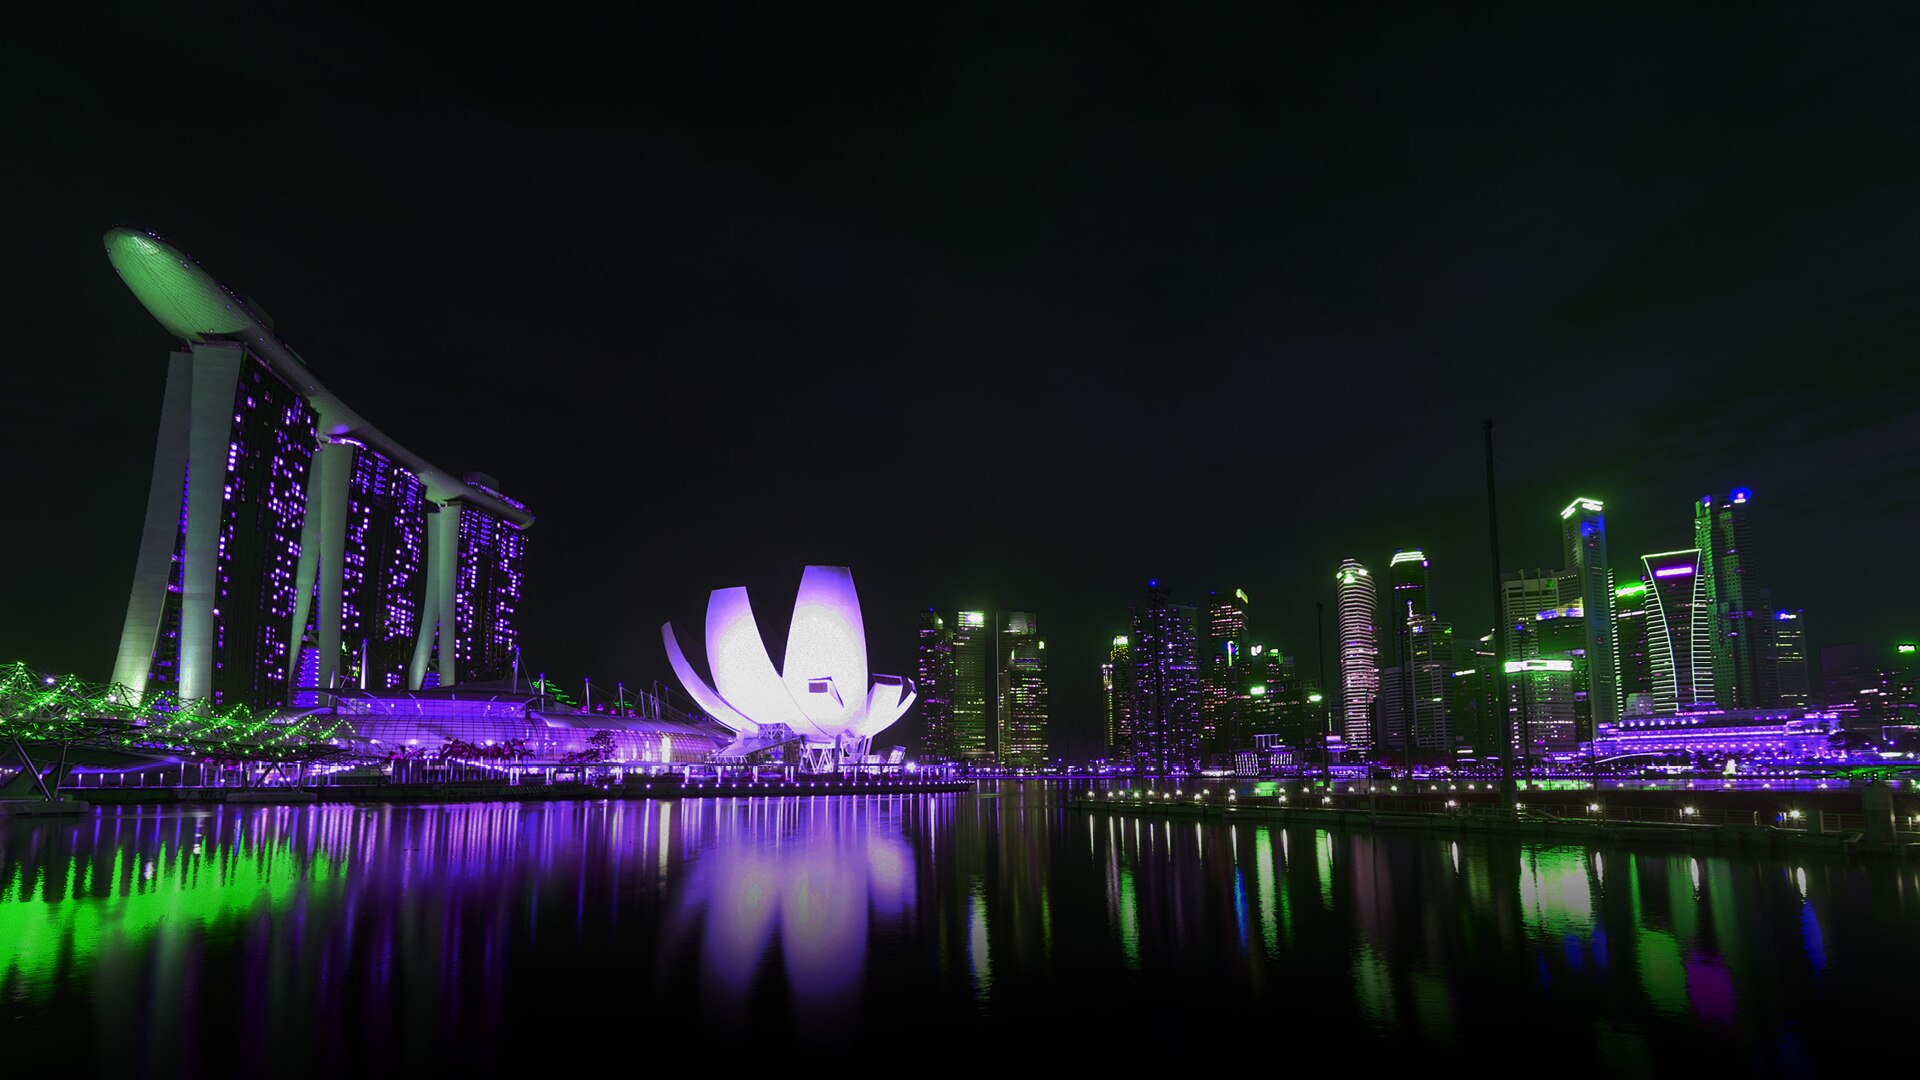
{"x":588,"y":683}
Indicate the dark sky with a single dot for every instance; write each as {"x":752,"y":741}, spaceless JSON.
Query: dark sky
{"x":1002,"y":313}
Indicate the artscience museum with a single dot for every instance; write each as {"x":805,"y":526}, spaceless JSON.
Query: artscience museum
{"x":821,"y":710}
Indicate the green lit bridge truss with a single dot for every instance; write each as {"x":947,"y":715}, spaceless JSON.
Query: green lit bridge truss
{"x":38,"y":708}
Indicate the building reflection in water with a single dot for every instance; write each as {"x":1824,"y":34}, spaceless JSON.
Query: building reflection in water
{"x":441,"y":935}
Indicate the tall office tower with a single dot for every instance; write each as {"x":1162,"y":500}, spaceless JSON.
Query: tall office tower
{"x":934,"y":647}
{"x":1679,"y":631}
{"x":283,"y":547}
{"x":1470,"y":708}
{"x":1632,"y":656}
{"x":1583,"y":535}
{"x":1406,"y":602}
{"x":1550,"y":680}
{"x":1408,"y":597}
{"x":1021,"y":713}
{"x":1166,"y":664}
{"x":1275,"y":697}
{"x":971,"y":638}
{"x":1220,"y":675}
{"x":1739,"y":607}
{"x":1356,"y":603}
{"x":1789,"y":658}
{"x":1117,"y":678}
{"x":1430,"y":663}
{"x":1526,"y":593}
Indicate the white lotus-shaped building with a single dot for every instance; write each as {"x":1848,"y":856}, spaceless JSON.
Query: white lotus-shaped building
{"x":823,"y":698}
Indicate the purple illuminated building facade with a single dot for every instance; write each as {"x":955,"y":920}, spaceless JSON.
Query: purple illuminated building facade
{"x":1166,"y":684}
{"x":290,"y":548}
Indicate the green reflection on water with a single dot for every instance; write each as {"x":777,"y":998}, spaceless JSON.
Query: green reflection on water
{"x":1556,"y":898}
{"x":177,"y":889}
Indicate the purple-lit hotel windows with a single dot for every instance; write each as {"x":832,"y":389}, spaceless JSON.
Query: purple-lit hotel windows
{"x":263,"y":506}
{"x":486,"y":594}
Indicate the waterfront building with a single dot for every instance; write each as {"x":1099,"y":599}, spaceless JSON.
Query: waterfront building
{"x":1589,"y":579}
{"x":821,"y":698}
{"x":1221,"y":675}
{"x":1634,"y":662}
{"x":289,"y":546}
{"x":422,"y":731}
{"x":1021,"y":707}
{"x":1712,"y":735}
{"x":1356,"y":604}
{"x":1166,"y":662}
{"x":1789,"y":657}
{"x":1738,"y":606}
{"x":1679,"y":632}
{"x":971,"y":641}
{"x":934,"y":648}
{"x":1117,"y":699}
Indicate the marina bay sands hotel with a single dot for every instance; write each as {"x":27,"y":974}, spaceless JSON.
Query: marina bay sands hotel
{"x":290,"y":546}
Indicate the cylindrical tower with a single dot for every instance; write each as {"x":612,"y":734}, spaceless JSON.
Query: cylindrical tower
{"x":1357,"y":602}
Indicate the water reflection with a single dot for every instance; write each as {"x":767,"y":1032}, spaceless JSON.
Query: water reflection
{"x":451,"y":936}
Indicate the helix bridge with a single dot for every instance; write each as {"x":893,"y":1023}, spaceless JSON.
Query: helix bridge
{"x":45,"y":714}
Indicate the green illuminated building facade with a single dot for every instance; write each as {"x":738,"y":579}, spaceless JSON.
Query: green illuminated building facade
{"x":972,"y":646}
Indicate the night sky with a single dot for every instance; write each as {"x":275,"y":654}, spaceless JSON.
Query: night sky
{"x":1001,"y":313}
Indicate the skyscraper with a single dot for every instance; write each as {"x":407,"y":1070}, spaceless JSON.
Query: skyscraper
{"x":1789,"y":659}
{"x":1583,"y":534}
{"x":1117,"y":682}
{"x":971,"y":638}
{"x":934,"y":647}
{"x":1412,"y":700}
{"x":1356,"y":603}
{"x":1679,"y":631}
{"x":1632,"y":655}
{"x":1220,"y":674}
{"x":1021,"y":715}
{"x":289,"y":545}
{"x":1549,"y":678}
{"x":1408,"y":596}
{"x":1470,"y":707}
{"x":1739,"y":607}
{"x":1166,"y":715}
{"x":1526,"y":593}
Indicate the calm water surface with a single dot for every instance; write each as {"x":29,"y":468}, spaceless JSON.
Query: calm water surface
{"x":396,"y":938}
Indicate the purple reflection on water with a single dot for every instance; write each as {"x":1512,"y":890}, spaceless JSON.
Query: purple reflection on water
{"x":1710,"y":988}
{"x":816,"y":889}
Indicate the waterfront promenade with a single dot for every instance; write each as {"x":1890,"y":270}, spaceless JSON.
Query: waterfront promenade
{"x":664,"y":786}
{"x":1872,"y":819}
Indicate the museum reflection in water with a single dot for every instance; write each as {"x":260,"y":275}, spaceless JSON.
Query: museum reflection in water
{"x":621,"y":929}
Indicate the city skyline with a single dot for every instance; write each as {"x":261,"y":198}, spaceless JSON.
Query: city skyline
{"x":562,"y":308}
